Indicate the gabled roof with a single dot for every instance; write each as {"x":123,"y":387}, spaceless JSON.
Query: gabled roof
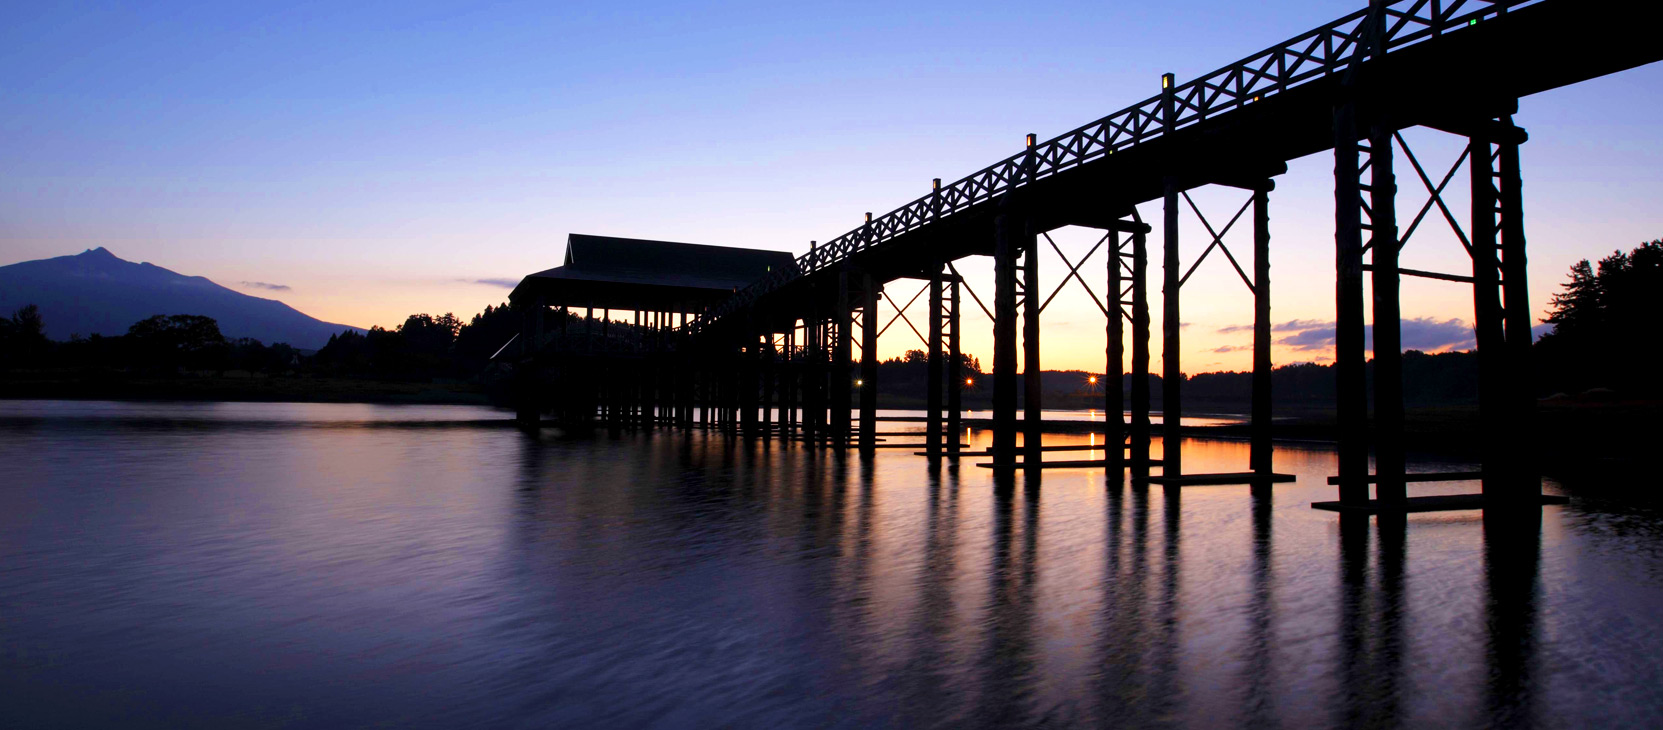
{"x":637,"y":273}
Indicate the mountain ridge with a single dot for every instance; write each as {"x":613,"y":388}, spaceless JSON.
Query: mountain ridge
{"x":97,"y":292}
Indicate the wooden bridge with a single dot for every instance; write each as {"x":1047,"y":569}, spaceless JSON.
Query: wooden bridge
{"x":776,"y":355}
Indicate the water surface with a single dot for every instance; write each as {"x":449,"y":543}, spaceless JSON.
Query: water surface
{"x":306,"y":565}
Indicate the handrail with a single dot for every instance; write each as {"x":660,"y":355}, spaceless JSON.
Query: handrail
{"x":1317,"y":53}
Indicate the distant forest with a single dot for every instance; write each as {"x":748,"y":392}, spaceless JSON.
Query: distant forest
{"x":1606,"y":325}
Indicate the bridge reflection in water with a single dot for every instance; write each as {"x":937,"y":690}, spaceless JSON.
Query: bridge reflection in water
{"x":906,"y":593}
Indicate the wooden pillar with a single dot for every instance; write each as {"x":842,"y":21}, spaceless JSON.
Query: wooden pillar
{"x":1260,"y":458}
{"x":1518,"y":317}
{"x":842,"y":363}
{"x":813,"y":377}
{"x":747,"y":377}
{"x":1490,"y":322}
{"x":1388,"y":321}
{"x":954,"y":370}
{"x":1004,"y":342}
{"x":1141,"y":427}
{"x":1350,"y":387}
{"x":1033,"y":385}
{"x":788,"y":384}
{"x":1172,"y":374}
{"x":1114,"y":366}
{"x":870,"y":289}
{"x":935,"y":368}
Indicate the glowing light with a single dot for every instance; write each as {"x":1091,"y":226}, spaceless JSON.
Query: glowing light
{"x":969,"y":381}
{"x":1092,"y":380}
{"x":859,"y":383}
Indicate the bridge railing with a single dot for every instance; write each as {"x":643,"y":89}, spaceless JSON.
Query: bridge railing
{"x":1329,"y":49}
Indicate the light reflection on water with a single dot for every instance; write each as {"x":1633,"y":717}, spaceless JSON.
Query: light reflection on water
{"x":337,"y":565}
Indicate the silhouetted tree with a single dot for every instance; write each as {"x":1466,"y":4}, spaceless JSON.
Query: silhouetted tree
{"x":23,"y":340}
{"x":169,"y":342}
{"x":486,"y":333}
{"x":1605,"y":324}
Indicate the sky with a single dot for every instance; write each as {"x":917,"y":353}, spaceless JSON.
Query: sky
{"x":366,"y":161}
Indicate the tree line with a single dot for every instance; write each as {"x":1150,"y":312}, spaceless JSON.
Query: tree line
{"x":424,"y":347}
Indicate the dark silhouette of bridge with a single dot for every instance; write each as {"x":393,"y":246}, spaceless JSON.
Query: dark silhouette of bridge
{"x":775,"y":357}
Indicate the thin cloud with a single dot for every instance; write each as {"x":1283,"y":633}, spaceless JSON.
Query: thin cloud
{"x":266,"y":286}
{"x":1295,"y":325}
{"x":1426,"y":333}
{"x":1232,"y":348}
{"x":504,"y":283}
{"x":1420,"y":333}
{"x":1292,"y":325}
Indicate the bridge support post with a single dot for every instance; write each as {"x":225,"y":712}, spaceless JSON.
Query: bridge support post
{"x":1033,"y":386}
{"x":788,"y":384}
{"x":870,"y":289}
{"x":1350,"y":388}
{"x":842,"y":364}
{"x":1502,"y":310}
{"x":1004,"y":343}
{"x":954,"y":369}
{"x":1389,"y":458}
{"x":1260,"y":458}
{"x":1114,"y":367}
{"x":1141,"y":427}
{"x":935,"y":369}
{"x":748,"y":385}
{"x":813,"y":377}
{"x":1518,"y":316}
{"x":1172,"y":374}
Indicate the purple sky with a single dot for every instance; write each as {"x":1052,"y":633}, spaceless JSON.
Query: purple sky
{"x":365,"y":161}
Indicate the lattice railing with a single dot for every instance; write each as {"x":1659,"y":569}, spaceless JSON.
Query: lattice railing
{"x":1324,"y":51}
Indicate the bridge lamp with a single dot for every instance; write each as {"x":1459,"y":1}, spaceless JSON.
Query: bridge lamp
{"x":859,"y":383}
{"x":1092,"y":380}
{"x":969,"y":381}
{"x":1166,"y":81}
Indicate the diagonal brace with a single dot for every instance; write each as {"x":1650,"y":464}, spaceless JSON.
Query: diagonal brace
{"x":1437,"y":194}
{"x":1074,"y":271}
{"x":1218,"y":240}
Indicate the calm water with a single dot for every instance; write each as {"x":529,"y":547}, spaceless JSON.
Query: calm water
{"x":273,"y":565}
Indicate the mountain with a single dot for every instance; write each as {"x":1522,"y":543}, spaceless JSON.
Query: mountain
{"x":95,"y":292}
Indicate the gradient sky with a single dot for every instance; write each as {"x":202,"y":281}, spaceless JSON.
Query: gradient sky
{"x":380,"y":159}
